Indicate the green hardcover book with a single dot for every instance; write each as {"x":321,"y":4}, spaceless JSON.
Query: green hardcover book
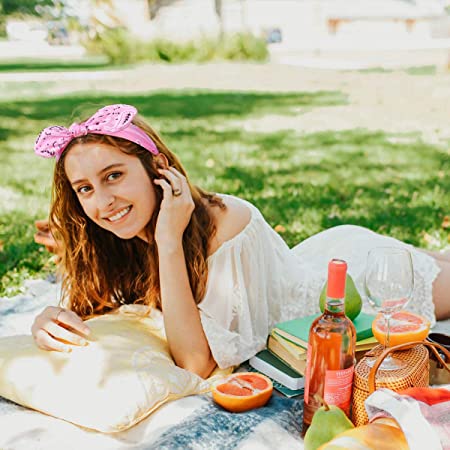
{"x":297,"y":330}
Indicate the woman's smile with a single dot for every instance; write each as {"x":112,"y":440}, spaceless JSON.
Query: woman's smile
{"x":122,"y":214}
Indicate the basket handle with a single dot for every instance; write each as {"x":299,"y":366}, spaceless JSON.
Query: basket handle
{"x":432,"y":345}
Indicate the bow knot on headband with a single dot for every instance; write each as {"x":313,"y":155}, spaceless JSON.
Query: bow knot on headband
{"x":111,"y":120}
{"x":78,"y":129}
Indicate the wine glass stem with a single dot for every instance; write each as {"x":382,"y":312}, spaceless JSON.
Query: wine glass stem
{"x":388,"y":330}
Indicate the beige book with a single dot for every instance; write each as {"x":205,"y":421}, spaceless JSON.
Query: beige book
{"x":296,"y":351}
{"x":299,"y":365}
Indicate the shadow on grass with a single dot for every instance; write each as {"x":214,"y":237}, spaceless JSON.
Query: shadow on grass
{"x":6,"y":133}
{"x":51,"y":65}
{"x":171,"y":105}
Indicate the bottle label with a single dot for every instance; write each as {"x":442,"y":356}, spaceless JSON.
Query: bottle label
{"x":338,"y":387}
{"x":307,"y":374}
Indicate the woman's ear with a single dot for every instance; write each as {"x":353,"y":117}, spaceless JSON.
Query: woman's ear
{"x":161,"y":161}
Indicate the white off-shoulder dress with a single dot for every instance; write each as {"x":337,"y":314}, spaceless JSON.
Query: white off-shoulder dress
{"x":255,"y":280}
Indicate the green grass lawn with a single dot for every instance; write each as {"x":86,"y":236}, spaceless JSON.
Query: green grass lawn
{"x":304,"y":183}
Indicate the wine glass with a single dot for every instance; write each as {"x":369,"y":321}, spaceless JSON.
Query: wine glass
{"x":389,"y":282}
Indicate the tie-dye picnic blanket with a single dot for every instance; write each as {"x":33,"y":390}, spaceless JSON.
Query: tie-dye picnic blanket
{"x":189,"y":423}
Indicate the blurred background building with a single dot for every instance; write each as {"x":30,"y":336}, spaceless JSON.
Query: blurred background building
{"x":297,"y":23}
{"x":297,"y":31}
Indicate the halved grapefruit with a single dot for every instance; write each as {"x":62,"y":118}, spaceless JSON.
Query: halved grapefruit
{"x":404,"y":327}
{"x":243,"y":391}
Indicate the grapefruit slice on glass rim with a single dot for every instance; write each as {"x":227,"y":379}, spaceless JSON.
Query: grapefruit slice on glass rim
{"x":404,"y":327}
{"x":243,"y":391}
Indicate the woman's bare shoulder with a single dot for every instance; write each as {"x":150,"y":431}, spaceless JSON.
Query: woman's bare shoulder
{"x":229,"y":221}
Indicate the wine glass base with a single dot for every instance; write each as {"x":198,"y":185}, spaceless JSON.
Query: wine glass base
{"x":389,"y":363}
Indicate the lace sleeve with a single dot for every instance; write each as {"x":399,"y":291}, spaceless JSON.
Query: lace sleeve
{"x":236,"y":309}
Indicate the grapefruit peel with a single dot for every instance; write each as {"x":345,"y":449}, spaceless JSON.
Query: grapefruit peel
{"x":405,"y":327}
{"x":242,"y":391}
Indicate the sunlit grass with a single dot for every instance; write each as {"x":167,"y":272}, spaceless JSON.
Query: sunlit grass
{"x":393,"y":184}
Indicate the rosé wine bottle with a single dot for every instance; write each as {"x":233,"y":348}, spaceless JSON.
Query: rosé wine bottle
{"x":330,"y":360}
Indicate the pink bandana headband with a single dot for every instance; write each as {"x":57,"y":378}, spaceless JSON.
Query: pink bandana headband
{"x":111,"y":120}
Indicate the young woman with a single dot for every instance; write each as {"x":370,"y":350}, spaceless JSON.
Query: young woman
{"x":133,"y":229}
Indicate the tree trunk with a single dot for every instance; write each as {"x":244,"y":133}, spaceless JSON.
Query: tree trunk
{"x":218,"y":8}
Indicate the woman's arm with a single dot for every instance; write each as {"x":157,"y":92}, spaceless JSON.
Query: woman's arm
{"x":184,"y":331}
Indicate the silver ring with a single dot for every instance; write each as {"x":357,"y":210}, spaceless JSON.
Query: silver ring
{"x":176,"y":192}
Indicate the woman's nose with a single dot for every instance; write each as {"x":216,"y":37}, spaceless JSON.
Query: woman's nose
{"x":104,"y":199}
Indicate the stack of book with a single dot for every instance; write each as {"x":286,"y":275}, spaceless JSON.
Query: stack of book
{"x":288,"y":342}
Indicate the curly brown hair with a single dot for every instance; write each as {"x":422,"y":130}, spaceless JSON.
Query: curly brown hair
{"x":102,"y":271}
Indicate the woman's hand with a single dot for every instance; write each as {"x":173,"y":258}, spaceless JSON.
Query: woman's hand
{"x":176,"y":207}
{"x":59,"y":329}
{"x":44,"y":237}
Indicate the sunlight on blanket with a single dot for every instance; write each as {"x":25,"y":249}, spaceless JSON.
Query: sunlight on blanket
{"x":124,"y":374}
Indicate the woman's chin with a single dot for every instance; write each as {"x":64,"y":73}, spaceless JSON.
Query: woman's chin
{"x":125,"y":234}
{"x":129,"y":232}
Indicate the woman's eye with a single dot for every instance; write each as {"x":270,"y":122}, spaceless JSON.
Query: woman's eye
{"x":113,"y":176}
{"x":83,"y":189}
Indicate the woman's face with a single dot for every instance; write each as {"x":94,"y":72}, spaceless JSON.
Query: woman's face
{"x":113,"y":188}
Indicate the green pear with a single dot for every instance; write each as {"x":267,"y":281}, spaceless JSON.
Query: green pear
{"x":353,"y":301}
{"x":327,"y":422}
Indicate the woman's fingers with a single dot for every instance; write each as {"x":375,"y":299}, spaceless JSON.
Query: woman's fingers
{"x":72,"y":320}
{"x":46,"y":342}
{"x":59,"y":329}
{"x":63,"y":334}
{"x":184,"y":183}
{"x":178,"y":174}
{"x":44,"y":239}
{"x":42,"y":225}
{"x":174,"y":179}
{"x":166,"y":187}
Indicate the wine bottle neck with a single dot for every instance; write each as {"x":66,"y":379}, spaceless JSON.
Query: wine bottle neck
{"x":335,"y":305}
{"x":337,"y":271}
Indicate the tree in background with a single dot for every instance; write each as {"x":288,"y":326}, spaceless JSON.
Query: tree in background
{"x":58,"y":16}
{"x":17,"y":7}
{"x":218,"y":8}
{"x":103,"y":17}
{"x":155,"y":5}
{"x":8,"y":7}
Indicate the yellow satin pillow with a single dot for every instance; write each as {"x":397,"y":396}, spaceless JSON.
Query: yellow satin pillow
{"x":123,"y":375}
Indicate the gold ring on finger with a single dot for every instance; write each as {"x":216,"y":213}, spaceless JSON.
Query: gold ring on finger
{"x":176,"y":192}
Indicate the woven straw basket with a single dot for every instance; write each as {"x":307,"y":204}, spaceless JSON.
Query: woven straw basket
{"x":414,"y":374}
